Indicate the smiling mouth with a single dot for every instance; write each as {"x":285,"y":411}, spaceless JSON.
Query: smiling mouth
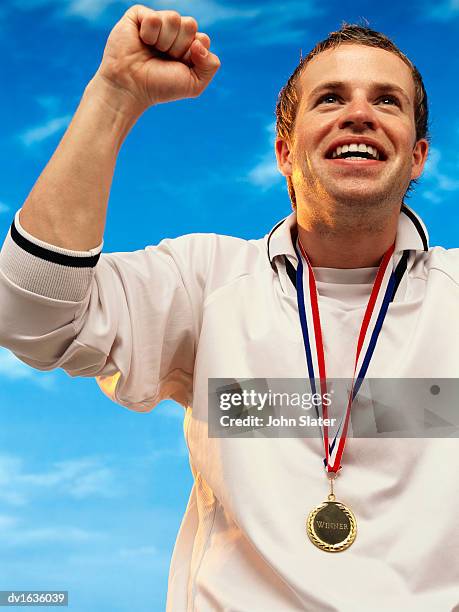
{"x":356,"y":152}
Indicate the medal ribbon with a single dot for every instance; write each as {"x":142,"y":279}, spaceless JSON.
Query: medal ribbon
{"x":384,"y":287}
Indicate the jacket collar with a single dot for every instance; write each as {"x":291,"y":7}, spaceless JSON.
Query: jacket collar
{"x":411,"y":235}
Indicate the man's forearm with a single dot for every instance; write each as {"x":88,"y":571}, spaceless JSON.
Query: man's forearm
{"x":151,"y":57}
{"x":67,"y":206}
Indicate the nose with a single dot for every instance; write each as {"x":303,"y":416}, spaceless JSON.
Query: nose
{"x":358,"y":114}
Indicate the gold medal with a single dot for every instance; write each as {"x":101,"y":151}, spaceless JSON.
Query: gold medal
{"x":331,"y":526}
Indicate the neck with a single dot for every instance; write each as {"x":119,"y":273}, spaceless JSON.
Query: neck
{"x":346,"y":243}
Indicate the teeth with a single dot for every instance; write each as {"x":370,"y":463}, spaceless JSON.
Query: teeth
{"x":355,"y":147}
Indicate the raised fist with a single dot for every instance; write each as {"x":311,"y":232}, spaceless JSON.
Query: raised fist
{"x":157,"y":56}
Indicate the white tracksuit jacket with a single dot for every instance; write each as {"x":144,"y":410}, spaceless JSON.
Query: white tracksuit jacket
{"x":158,"y":323}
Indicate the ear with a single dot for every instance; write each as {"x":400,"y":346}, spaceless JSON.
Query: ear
{"x":420,"y":151}
{"x":283,"y":155}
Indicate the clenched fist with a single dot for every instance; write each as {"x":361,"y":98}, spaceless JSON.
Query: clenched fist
{"x":157,"y":56}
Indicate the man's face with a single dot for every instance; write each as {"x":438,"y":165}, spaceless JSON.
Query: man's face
{"x":353,"y":96}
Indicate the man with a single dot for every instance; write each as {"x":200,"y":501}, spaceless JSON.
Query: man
{"x":160,"y":323}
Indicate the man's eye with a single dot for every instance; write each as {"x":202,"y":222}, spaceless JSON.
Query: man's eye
{"x":389,"y":100}
{"x":329,"y":98}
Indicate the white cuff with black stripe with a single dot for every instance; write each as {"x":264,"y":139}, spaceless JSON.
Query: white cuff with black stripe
{"x":45,"y":269}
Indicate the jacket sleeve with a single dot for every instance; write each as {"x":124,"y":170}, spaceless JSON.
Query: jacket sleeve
{"x":129,"y":319}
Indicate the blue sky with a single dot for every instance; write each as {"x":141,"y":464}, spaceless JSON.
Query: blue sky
{"x":91,"y":494}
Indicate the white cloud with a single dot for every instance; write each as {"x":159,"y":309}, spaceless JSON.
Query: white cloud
{"x":98,"y":481}
{"x":205,"y":11}
{"x":268,"y":23}
{"x":264,"y":173}
{"x":141,"y":552}
{"x":137,"y":559}
{"x":7,"y":522}
{"x":13,"y":533}
{"x":284,"y":23}
{"x":208,"y":12}
{"x":49,"y":103}
{"x":14,"y":369}
{"x":78,"y":478}
{"x":42,"y":132}
{"x":81,"y":478}
{"x":89,"y":9}
{"x":62,"y":534}
{"x":10,"y":467}
{"x":97,"y":12}
{"x":439,"y":177}
{"x":440,"y":11}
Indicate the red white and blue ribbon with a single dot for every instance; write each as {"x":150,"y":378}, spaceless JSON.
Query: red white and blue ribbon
{"x":385,"y":285}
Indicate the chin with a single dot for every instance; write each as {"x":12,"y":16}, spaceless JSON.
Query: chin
{"x":361,"y":194}
{"x":350,"y":197}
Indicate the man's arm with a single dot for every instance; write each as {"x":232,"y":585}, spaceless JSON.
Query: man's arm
{"x":131,"y":319}
{"x":150,"y":57}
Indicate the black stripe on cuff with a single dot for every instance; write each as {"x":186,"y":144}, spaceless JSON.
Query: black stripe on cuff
{"x":58,"y":258}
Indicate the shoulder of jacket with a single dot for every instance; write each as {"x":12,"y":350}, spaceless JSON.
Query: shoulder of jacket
{"x":443,"y":260}
{"x":208,"y":240}
{"x":213,"y":248}
{"x":213,"y":260}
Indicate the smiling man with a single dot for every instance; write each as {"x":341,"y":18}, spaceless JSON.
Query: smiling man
{"x":356,"y":141}
{"x":345,"y":287}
